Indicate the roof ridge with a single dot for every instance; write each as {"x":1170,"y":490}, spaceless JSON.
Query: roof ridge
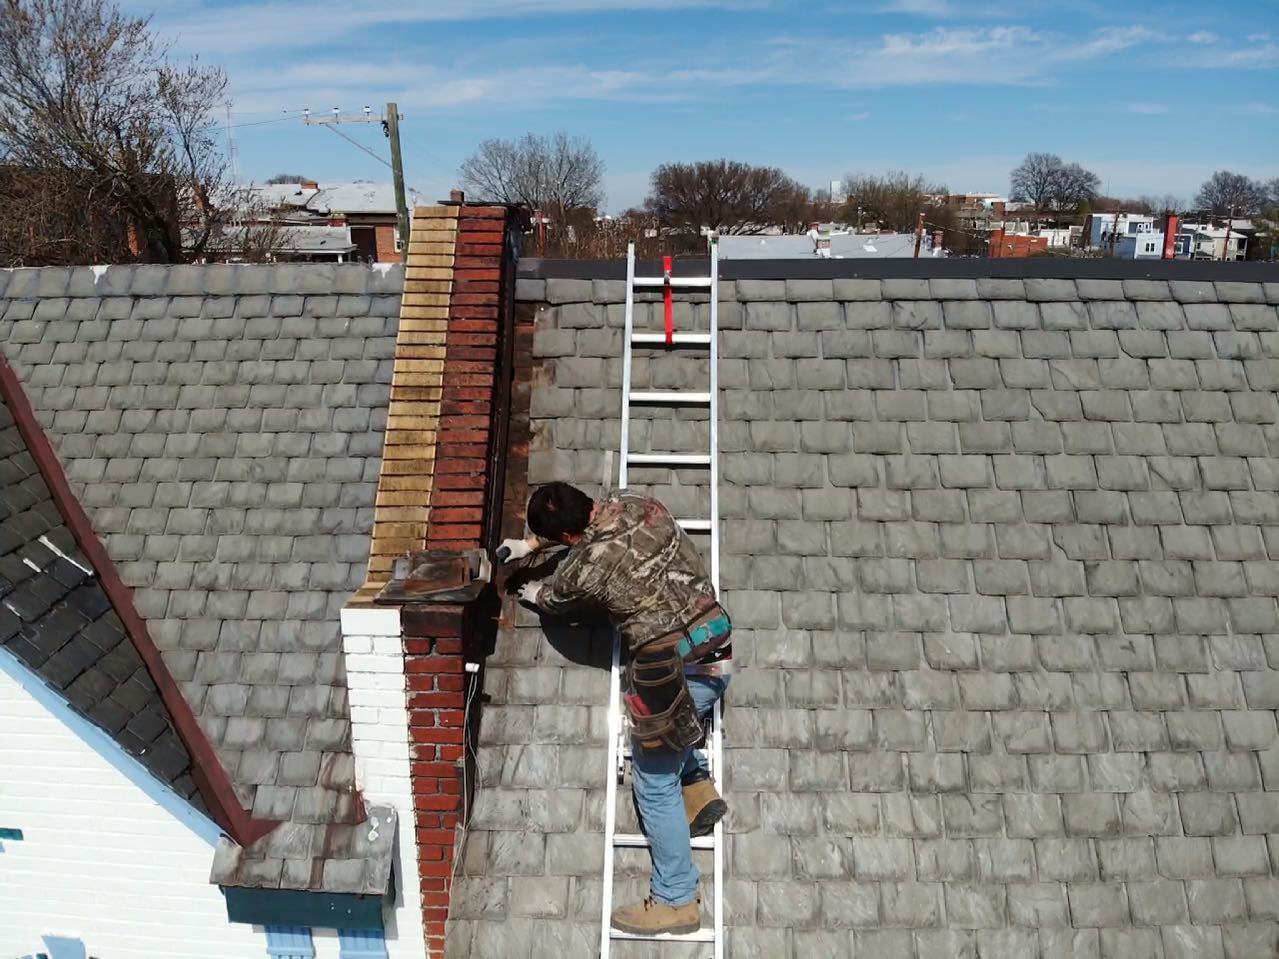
{"x":211,"y":777}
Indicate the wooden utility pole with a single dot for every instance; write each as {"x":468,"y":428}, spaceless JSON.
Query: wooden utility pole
{"x":391,"y":129}
{"x":1230,"y":221}
{"x":919,"y":235}
{"x":397,"y":171}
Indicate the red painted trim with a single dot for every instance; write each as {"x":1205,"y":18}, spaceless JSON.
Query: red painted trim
{"x":668,"y":302}
{"x":210,"y":776}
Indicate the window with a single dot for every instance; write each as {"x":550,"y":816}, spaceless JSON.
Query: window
{"x":1150,"y":248}
{"x":361,"y":944}
{"x":289,"y":942}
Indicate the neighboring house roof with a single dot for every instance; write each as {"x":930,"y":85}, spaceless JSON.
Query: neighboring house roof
{"x":57,"y":619}
{"x":285,"y":239}
{"x":222,"y":425}
{"x":843,"y":246}
{"x":359,"y":197}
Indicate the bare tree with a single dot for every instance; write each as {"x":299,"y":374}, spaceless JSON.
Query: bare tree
{"x":1049,"y":182}
{"x":1074,"y":187}
{"x":89,"y":98}
{"x":558,"y":174}
{"x":286,"y":178}
{"x":1162,"y":203}
{"x":1035,"y":180}
{"x":893,"y":201}
{"x":1224,"y":192}
{"x":724,"y":195}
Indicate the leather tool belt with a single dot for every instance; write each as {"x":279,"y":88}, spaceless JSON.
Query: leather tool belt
{"x":657,"y":699}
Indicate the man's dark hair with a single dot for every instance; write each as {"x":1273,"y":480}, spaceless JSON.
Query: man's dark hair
{"x":557,"y":508}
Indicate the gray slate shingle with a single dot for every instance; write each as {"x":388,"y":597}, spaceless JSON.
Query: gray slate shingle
{"x":223,"y":426}
{"x":1005,"y":660}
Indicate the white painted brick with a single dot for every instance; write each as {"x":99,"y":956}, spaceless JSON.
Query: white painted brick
{"x":364,"y":714}
{"x":371,"y":622}
{"x":379,"y":697}
{"x":389,"y":646}
{"x":355,"y":643}
{"x":368,"y":663}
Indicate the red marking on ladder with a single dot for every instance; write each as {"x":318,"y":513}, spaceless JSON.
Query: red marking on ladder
{"x":667,"y":302}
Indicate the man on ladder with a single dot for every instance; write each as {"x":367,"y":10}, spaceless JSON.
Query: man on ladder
{"x":628,"y":554}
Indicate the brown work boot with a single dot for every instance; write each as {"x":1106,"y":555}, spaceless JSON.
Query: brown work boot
{"x":703,"y":805}
{"x":653,"y":918}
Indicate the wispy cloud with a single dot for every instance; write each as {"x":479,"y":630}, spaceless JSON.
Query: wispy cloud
{"x":429,"y":79}
{"x":292,"y":24}
{"x":1257,"y":108}
{"x":1263,"y":56}
{"x":1203,"y":36}
{"x":1153,"y":108}
{"x":859,"y":117}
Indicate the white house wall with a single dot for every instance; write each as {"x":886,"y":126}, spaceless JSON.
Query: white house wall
{"x":109,"y":855}
{"x":373,"y":653}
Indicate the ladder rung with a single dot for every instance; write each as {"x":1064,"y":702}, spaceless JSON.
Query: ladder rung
{"x":678,"y":339}
{"x":695,"y":525}
{"x":635,"y":840}
{"x":670,"y":397}
{"x":702,"y":935}
{"x":677,"y":282}
{"x":671,"y":459}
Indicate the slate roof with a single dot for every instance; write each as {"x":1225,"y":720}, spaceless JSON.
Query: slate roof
{"x":57,"y":620}
{"x":1002,"y":557}
{"x":222,"y":425}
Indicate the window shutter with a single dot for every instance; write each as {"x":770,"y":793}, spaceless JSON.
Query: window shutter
{"x":289,"y":942}
{"x":361,"y":944}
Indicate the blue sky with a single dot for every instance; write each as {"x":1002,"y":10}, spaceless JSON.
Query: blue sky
{"x":1152,"y":96}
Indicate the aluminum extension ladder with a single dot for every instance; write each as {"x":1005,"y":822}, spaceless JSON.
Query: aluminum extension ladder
{"x":618,"y":734}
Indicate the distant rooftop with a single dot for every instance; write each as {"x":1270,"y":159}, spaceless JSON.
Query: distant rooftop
{"x":320,"y":199}
{"x":843,"y":246}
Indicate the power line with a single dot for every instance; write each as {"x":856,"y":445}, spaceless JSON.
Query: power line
{"x":356,"y":143}
{"x":258,"y":123}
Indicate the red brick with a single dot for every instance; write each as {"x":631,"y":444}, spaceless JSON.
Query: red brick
{"x":483,"y":212}
{"x":457,"y":498}
{"x":472,"y":323}
{"x":435,"y":868}
{"x":467,"y":421}
{"x":457,"y":515}
{"x":474,"y":354}
{"x":442,"y":803}
{"x":436,"y":700}
{"x":472,"y":339}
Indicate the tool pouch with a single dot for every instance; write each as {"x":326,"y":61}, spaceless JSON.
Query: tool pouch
{"x":658,"y":702}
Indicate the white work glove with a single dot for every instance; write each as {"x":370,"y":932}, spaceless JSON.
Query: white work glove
{"x":512,"y":550}
{"x":529,"y":592}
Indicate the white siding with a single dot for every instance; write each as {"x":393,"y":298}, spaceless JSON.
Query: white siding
{"x":109,"y":855}
{"x":374,"y":655}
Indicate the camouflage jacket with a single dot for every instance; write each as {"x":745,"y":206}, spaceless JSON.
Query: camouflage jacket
{"x":636,"y":562}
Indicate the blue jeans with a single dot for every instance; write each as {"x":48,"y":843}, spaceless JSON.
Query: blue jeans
{"x":655,"y":778}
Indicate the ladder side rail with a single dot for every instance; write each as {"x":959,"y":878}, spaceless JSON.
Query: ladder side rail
{"x":615,"y":686}
{"x":610,"y":797}
{"x":717,"y":713}
{"x":626,"y":367}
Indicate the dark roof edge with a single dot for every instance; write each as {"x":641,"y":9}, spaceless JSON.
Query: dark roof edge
{"x":210,"y":776}
{"x":1064,"y":268}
